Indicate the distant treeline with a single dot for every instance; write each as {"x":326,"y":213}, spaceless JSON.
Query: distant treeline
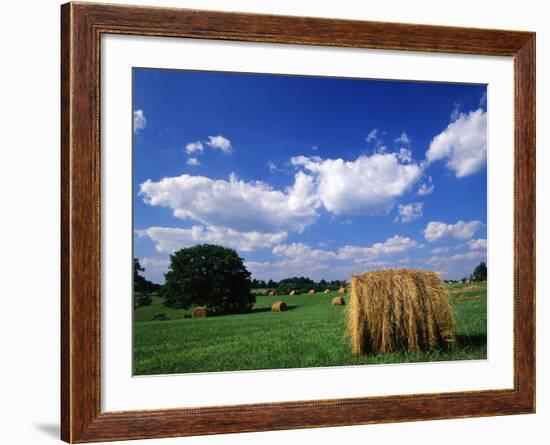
{"x":301,"y":284}
{"x":143,"y":287}
{"x":142,"y":284}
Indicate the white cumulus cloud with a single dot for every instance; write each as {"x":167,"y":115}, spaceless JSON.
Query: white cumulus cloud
{"x":301,"y":259}
{"x":193,"y":161}
{"x":395,"y":244}
{"x":409,"y":212}
{"x":236,"y":204}
{"x":170,"y":239}
{"x":295,"y":250}
{"x":477,"y":244}
{"x":437,"y":230}
{"x":193,"y":147}
{"x":221,"y":143}
{"x":139,"y":121}
{"x":473,"y":255}
{"x":459,"y":257}
{"x":369,"y":185}
{"x":463,"y":144}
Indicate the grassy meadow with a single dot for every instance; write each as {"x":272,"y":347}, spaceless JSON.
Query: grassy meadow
{"x":310,"y":333}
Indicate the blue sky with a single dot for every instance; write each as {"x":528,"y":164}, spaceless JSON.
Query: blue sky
{"x":321,"y":177}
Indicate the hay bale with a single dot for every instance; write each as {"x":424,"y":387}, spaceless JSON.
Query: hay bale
{"x":342,"y":290}
{"x":200,"y":312}
{"x":278,"y":306}
{"x":294,"y":292}
{"x":338,"y":301}
{"x":399,"y":309}
{"x":272,"y":293}
{"x":311,"y":292}
{"x":326,"y":291}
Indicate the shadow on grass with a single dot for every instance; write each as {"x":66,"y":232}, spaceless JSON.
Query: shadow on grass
{"x":289,"y":307}
{"x":471,"y":340}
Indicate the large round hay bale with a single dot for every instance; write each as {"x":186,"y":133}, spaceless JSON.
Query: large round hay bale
{"x":200,"y":312}
{"x":399,"y":309}
{"x":342,"y":290}
{"x":338,"y":301}
{"x":279,"y":306}
{"x":293,"y":292}
{"x":311,"y":292}
{"x":272,"y":293}
{"x":326,"y":291}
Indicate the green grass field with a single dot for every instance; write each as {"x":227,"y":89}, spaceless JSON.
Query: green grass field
{"x":311,"y":333}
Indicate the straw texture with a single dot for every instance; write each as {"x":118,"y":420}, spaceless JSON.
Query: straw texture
{"x":399,"y":310}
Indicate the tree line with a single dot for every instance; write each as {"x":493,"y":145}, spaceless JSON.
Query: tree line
{"x":301,"y":284}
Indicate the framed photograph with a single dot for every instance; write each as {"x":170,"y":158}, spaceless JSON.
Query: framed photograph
{"x":275,"y":222}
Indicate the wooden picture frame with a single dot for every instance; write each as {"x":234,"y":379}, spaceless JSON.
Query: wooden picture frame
{"x":82,"y":25}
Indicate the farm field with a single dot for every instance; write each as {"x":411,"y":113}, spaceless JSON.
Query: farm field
{"x":311,"y":333}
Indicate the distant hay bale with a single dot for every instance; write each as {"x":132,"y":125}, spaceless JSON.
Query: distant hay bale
{"x":399,"y":309}
{"x":338,"y":301}
{"x":279,"y":306}
{"x":294,"y":292}
{"x":326,"y":291}
{"x":342,"y":290}
{"x":272,"y":293}
{"x":311,"y":292}
{"x":200,"y":312}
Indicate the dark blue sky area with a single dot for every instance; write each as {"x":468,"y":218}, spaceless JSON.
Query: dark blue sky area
{"x":412,"y":154}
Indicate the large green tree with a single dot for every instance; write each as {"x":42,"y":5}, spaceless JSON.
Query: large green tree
{"x":208,"y":275}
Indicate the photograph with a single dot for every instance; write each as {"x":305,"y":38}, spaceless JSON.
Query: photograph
{"x":291,"y":221}
{"x":277,"y":222}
